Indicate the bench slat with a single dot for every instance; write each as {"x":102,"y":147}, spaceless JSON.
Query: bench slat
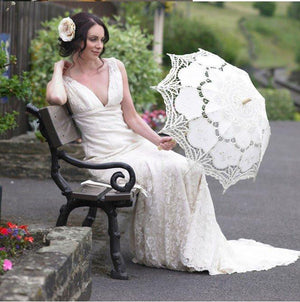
{"x":59,"y":125}
{"x":90,"y":193}
{"x":97,"y":193}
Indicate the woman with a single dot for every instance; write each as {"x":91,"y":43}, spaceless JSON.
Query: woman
{"x":174,"y":224}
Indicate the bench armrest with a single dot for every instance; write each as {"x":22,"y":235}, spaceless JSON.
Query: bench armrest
{"x":93,"y":166}
{"x":33,"y":110}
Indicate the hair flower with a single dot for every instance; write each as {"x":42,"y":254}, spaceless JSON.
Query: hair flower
{"x":66,"y":29}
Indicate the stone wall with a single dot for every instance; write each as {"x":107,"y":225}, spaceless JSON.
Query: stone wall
{"x":60,"y":271}
{"x":24,"y":156}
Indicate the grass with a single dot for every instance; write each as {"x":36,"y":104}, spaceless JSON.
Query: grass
{"x":275,"y":38}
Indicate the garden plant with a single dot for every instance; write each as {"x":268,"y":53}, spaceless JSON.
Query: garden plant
{"x":16,"y":86}
{"x":279,"y":104}
{"x":13,"y":240}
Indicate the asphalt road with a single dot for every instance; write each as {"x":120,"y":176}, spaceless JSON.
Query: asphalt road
{"x":266,"y":210}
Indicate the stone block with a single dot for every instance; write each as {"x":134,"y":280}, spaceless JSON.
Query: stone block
{"x":54,"y":272}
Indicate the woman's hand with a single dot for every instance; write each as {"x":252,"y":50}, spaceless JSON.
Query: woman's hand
{"x":166,"y":143}
{"x":61,"y":66}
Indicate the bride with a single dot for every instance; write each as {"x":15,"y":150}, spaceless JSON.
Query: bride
{"x":174,"y":224}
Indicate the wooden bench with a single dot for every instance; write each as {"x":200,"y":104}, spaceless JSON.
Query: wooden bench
{"x":57,"y":126}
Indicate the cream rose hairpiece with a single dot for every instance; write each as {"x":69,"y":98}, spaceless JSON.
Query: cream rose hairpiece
{"x":66,"y":29}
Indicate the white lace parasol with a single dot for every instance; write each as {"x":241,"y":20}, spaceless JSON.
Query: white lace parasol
{"x":216,"y":115}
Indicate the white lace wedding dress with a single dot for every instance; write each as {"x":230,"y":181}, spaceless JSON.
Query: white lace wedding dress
{"x":174,"y":223}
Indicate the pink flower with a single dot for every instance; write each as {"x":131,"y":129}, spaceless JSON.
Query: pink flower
{"x":7,"y":265}
{"x":2,"y":248}
{"x":154,"y":118}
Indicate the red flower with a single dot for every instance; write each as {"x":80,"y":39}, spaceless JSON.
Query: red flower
{"x":4,"y":231}
{"x":24,"y":227}
{"x":11,"y":225}
{"x":30,"y":239}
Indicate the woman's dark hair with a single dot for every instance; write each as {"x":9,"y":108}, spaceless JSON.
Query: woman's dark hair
{"x":83,"y":22}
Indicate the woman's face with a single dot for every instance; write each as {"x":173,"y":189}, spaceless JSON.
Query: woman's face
{"x":94,"y":42}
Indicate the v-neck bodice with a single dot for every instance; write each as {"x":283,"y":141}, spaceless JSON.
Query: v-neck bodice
{"x":90,"y":90}
{"x":103,"y":129}
{"x":83,"y":99}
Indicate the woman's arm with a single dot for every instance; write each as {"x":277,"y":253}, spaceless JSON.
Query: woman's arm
{"x":135,"y":122}
{"x":56,"y":93}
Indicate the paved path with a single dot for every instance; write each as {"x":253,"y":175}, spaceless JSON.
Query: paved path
{"x":267,"y":211}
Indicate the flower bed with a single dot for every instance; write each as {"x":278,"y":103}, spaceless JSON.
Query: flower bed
{"x":14,"y":240}
{"x":155,"y":119}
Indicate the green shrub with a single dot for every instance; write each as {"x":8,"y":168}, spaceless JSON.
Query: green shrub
{"x":263,"y":28}
{"x":44,"y":53}
{"x":297,"y":56}
{"x":265,"y":8}
{"x":186,"y":36}
{"x":219,"y":4}
{"x":127,"y":43}
{"x":18,"y":86}
{"x":8,"y":121}
{"x":279,"y":104}
{"x":130,"y":45}
{"x":294,"y":10}
{"x":297,"y":116}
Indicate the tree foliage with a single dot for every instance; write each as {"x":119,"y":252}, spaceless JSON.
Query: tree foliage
{"x":265,"y":8}
{"x":186,"y":36}
{"x":294,"y":10}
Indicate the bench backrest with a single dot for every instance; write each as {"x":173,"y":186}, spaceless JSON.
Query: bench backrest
{"x":59,"y":125}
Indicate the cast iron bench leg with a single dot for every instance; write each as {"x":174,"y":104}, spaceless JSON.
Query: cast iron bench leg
{"x":119,"y":270}
{"x":90,"y":218}
{"x":65,"y":211}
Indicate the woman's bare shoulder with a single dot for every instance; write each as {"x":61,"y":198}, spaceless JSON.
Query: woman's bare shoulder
{"x":119,"y":62}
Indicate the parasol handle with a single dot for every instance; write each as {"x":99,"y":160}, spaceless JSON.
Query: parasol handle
{"x":246,"y":101}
